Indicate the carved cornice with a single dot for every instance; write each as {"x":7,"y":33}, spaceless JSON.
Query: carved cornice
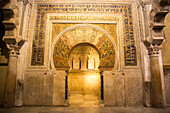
{"x":12,"y":18}
{"x":157,"y":16}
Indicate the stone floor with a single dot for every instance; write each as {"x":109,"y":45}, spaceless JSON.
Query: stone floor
{"x":84,"y":110}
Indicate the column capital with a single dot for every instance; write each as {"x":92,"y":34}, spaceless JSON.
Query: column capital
{"x":13,"y":50}
{"x":13,"y":45}
{"x":154,"y":50}
{"x":140,"y":3}
{"x":25,"y":2}
{"x":143,"y":6}
{"x":66,"y":72}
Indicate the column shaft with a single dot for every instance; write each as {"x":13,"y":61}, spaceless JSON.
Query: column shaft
{"x":9,"y":98}
{"x":157,"y":95}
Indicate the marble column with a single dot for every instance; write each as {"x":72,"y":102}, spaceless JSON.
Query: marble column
{"x":9,"y":98}
{"x":82,"y":63}
{"x":157,"y":90}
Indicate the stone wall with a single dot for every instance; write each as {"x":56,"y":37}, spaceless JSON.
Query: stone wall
{"x":48,"y":88}
{"x":59,"y":88}
{"x":166,"y":43}
{"x":166,"y":59}
{"x":167,"y":85}
{"x":44,"y":88}
{"x":123,"y":88}
{"x":34,"y":88}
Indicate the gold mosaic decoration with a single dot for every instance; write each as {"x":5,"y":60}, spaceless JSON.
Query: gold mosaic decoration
{"x":61,"y":54}
{"x":84,"y":35}
{"x":70,"y":8}
{"x":57,"y":28}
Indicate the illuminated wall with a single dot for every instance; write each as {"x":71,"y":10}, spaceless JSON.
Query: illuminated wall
{"x":110,"y":27}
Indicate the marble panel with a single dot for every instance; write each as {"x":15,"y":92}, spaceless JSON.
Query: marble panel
{"x":167,"y":86}
{"x":48,"y":88}
{"x":92,"y":84}
{"x":84,"y":88}
{"x":84,"y":83}
{"x":44,"y":88}
{"x":120,"y":89}
{"x":75,"y":84}
{"x":109,"y":88}
{"x":33,"y":89}
{"x":59,"y":88}
{"x":133,"y":91}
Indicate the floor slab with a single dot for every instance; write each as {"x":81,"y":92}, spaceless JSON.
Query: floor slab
{"x":27,"y":109}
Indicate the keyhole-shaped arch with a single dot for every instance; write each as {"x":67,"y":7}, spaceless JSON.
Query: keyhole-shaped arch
{"x":67,"y":39}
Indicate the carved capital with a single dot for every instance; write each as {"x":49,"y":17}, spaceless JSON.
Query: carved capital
{"x":13,"y":49}
{"x":140,"y":3}
{"x":66,"y":72}
{"x":143,"y":2}
{"x":101,"y":72}
{"x":13,"y":45}
{"x":143,"y":7}
{"x":25,"y":2}
{"x":154,"y":50}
